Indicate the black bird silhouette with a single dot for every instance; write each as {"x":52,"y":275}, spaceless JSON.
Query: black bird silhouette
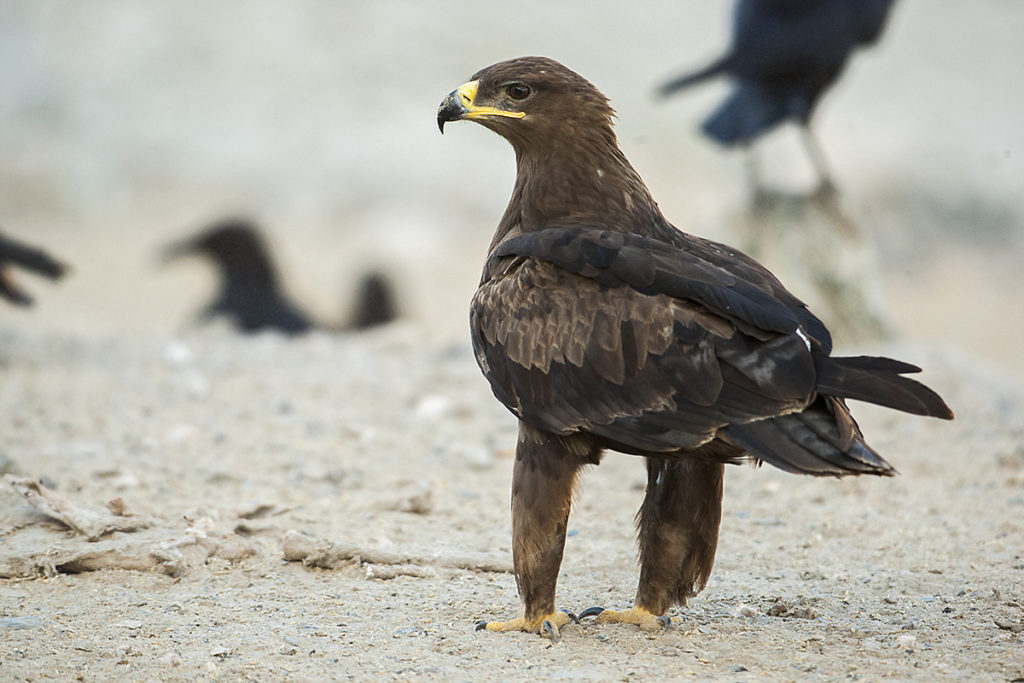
{"x":250,"y":291}
{"x":14,"y":253}
{"x":375,"y":302}
{"x":785,"y":54}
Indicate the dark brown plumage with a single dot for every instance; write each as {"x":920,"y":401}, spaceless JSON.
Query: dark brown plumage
{"x":602,"y":326}
{"x":14,"y":253}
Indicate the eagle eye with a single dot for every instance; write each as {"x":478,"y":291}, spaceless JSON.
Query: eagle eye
{"x":518,"y":91}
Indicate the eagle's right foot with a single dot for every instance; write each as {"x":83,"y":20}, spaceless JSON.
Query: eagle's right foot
{"x":547,"y":625}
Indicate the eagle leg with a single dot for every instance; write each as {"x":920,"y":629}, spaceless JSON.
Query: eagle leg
{"x":677,"y":528}
{"x":543,"y":478}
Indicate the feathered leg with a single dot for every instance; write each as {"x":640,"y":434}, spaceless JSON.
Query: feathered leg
{"x":543,"y":478}
{"x":677,"y":529}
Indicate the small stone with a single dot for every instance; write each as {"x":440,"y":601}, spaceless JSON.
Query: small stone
{"x":177,"y":353}
{"x":906,"y":641}
{"x":20,"y":623}
{"x":432,"y":406}
{"x":1010,"y":626}
{"x":171,"y":659}
{"x":745,"y":610}
{"x":7,"y":466}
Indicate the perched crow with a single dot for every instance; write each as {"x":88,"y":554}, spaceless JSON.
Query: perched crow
{"x":14,"y":253}
{"x":250,"y":293}
{"x":375,"y":302}
{"x":784,"y":55}
{"x":602,"y":326}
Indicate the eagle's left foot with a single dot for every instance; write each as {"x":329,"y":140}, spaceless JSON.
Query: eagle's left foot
{"x":547,"y":625}
{"x":637,"y":616}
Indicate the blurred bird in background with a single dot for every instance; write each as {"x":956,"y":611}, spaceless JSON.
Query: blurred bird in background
{"x":784,"y":55}
{"x":375,"y":302}
{"x":14,"y":253}
{"x":251,"y":296}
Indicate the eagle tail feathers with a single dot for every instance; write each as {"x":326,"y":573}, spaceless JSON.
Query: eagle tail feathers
{"x":880,"y":381}
{"x":811,"y":443}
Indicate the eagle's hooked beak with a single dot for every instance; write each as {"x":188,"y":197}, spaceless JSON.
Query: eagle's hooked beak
{"x":461,"y":104}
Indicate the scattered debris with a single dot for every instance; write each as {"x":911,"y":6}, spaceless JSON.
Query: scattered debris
{"x":906,"y":641}
{"x":171,"y":659}
{"x":745,"y":610}
{"x":19,"y":623}
{"x":314,"y":552}
{"x":95,"y":522}
{"x":1010,"y":626}
{"x":113,"y":538}
{"x":419,"y":502}
{"x":795,"y":610}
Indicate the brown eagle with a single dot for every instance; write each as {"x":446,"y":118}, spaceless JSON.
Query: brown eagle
{"x":602,"y":326}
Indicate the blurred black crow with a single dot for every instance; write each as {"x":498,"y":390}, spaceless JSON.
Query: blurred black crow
{"x":784,"y":55}
{"x":375,"y":302}
{"x":250,"y":291}
{"x":13,"y":253}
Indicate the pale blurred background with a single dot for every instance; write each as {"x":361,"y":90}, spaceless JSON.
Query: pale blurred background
{"x":126,"y":124}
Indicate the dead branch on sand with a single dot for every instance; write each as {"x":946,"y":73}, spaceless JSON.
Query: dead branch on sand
{"x":315,"y":552}
{"x":91,"y":520}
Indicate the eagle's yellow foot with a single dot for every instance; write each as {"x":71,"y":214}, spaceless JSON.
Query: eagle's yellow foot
{"x":546,"y":625}
{"x":637,"y":616}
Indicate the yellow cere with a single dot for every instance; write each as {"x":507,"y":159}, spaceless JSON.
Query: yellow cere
{"x":467,"y":95}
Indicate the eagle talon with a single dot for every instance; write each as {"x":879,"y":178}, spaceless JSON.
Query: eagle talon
{"x":637,"y":616}
{"x":547,"y":625}
{"x":590,"y":612}
{"x":551,"y":630}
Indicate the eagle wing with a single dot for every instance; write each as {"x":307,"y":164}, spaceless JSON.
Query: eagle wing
{"x":634,"y":340}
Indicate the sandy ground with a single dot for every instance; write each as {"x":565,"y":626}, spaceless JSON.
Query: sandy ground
{"x":378,"y":443}
{"x":382,"y":458}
